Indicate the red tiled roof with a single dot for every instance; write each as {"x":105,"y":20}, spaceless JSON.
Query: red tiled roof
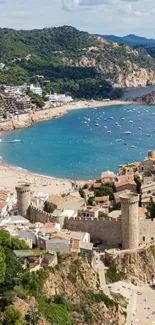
{"x":130,"y":182}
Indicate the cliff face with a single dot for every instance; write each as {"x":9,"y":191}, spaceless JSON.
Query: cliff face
{"x":137,"y":78}
{"x":79,"y":284}
{"x":69,"y":294}
{"x":138,"y":267}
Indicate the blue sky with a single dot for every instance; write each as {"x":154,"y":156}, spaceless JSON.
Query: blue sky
{"x":118,"y":17}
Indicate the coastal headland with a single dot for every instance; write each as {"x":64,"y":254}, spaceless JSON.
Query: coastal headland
{"x":27,"y":119}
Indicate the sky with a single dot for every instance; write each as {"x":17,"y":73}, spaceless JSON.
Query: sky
{"x":118,"y":17}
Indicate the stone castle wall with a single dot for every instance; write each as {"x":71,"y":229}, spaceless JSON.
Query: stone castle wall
{"x":37,"y":215}
{"x":107,"y":231}
{"x":146,"y":231}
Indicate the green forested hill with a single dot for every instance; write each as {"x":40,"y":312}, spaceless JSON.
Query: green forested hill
{"x":70,"y":61}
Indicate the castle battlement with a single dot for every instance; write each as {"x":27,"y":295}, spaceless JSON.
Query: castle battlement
{"x":23,"y":188}
{"x":40,"y":210}
{"x":129,"y":198}
{"x":93,"y":220}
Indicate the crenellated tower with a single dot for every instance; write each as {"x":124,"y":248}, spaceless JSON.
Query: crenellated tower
{"x":130,"y":221}
{"x":23,"y":198}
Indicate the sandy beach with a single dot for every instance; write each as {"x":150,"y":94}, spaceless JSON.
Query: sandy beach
{"x":11,"y":176}
{"x":145,"y":311}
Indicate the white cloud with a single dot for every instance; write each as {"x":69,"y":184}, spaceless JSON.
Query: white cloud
{"x":118,"y":17}
{"x":78,"y":4}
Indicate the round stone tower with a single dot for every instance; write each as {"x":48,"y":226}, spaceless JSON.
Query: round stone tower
{"x":130,"y":221}
{"x":151,"y":154}
{"x":23,"y":198}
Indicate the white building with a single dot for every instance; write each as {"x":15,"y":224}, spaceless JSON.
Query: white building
{"x":60,"y":98}
{"x":15,"y":90}
{"x":36,"y":90}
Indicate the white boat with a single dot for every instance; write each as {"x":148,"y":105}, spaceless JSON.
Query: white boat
{"x":118,"y":140}
{"x":127,"y":132}
{"x":140,"y":128}
{"x":97,"y":125}
{"x":133,"y":146}
{"x":123,"y":118}
{"x":109,"y":132}
{"x":130,"y":121}
{"x":10,"y":141}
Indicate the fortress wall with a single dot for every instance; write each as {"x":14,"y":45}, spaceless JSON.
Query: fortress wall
{"x":107,"y":231}
{"x":146,"y":230}
{"x":37,"y":215}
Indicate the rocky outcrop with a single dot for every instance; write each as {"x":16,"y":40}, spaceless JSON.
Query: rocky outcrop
{"x":28,"y":305}
{"x":138,"y":266}
{"x":78,"y":283}
{"x":148,"y":99}
{"x":137,"y":78}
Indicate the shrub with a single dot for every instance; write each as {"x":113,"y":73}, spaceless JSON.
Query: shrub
{"x":113,"y":276}
{"x":11,"y":316}
{"x":57,"y":314}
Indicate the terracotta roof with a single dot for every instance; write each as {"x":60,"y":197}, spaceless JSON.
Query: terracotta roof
{"x":136,"y":164}
{"x":102,"y":198}
{"x":59,"y":199}
{"x":129,"y":182}
{"x":66,"y":234}
{"x":89,"y":209}
{"x":2,"y":204}
{"x":48,"y":228}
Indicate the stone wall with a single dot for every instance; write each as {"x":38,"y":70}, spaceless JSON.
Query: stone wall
{"x":146,"y":231}
{"x":107,"y":231}
{"x":36,"y":215}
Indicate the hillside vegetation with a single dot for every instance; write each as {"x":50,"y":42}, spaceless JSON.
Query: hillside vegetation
{"x":72,"y":61}
{"x":67,"y":294}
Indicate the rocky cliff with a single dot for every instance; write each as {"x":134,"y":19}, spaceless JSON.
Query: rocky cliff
{"x":148,"y":99}
{"x":137,"y":267}
{"x":70,"y":295}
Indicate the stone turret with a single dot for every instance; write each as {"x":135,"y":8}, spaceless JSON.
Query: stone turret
{"x":130,"y":221}
{"x":23,"y":198}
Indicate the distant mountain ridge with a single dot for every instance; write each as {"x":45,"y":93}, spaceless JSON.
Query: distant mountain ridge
{"x":131,"y":40}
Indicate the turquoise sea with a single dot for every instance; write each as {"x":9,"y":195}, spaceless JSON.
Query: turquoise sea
{"x":79,"y":144}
